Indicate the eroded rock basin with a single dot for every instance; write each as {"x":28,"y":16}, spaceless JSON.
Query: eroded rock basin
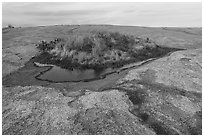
{"x":58,"y":74}
{"x":66,"y":71}
{"x":46,"y":73}
{"x":137,"y":104}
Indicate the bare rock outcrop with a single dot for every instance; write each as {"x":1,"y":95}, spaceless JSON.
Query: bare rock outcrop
{"x":181,"y":69}
{"x":39,"y":110}
{"x":167,"y":93}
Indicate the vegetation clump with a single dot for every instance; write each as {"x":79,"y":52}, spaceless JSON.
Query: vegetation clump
{"x":6,"y":29}
{"x":98,"y":49}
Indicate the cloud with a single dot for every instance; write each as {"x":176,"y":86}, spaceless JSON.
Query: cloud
{"x":64,"y":13}
{"x":142,"y":14}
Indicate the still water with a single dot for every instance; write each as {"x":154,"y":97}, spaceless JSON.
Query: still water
{"x":58,"y":74}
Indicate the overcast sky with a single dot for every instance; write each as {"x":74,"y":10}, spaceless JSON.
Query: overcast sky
{"x":131,"y":14}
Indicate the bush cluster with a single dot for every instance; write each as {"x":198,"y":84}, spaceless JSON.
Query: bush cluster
{"x":45,"y":46}
{"x":98,"y":48}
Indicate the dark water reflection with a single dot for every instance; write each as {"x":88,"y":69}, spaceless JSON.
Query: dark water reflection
{"x":58,"y":74}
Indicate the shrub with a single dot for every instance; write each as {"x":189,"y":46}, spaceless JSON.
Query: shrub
{"x":87,"y":44}
{"x":10,"y":26}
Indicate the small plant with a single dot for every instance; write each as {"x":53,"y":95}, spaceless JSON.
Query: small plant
{"x":10,"y":26}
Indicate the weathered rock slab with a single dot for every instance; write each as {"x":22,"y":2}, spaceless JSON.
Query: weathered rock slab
{"x":181,"y":69}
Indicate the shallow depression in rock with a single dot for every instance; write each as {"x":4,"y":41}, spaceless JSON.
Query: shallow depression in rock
{"x":58,"y":74}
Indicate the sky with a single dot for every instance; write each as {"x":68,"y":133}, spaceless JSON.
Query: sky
{"x":174,"y":14}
